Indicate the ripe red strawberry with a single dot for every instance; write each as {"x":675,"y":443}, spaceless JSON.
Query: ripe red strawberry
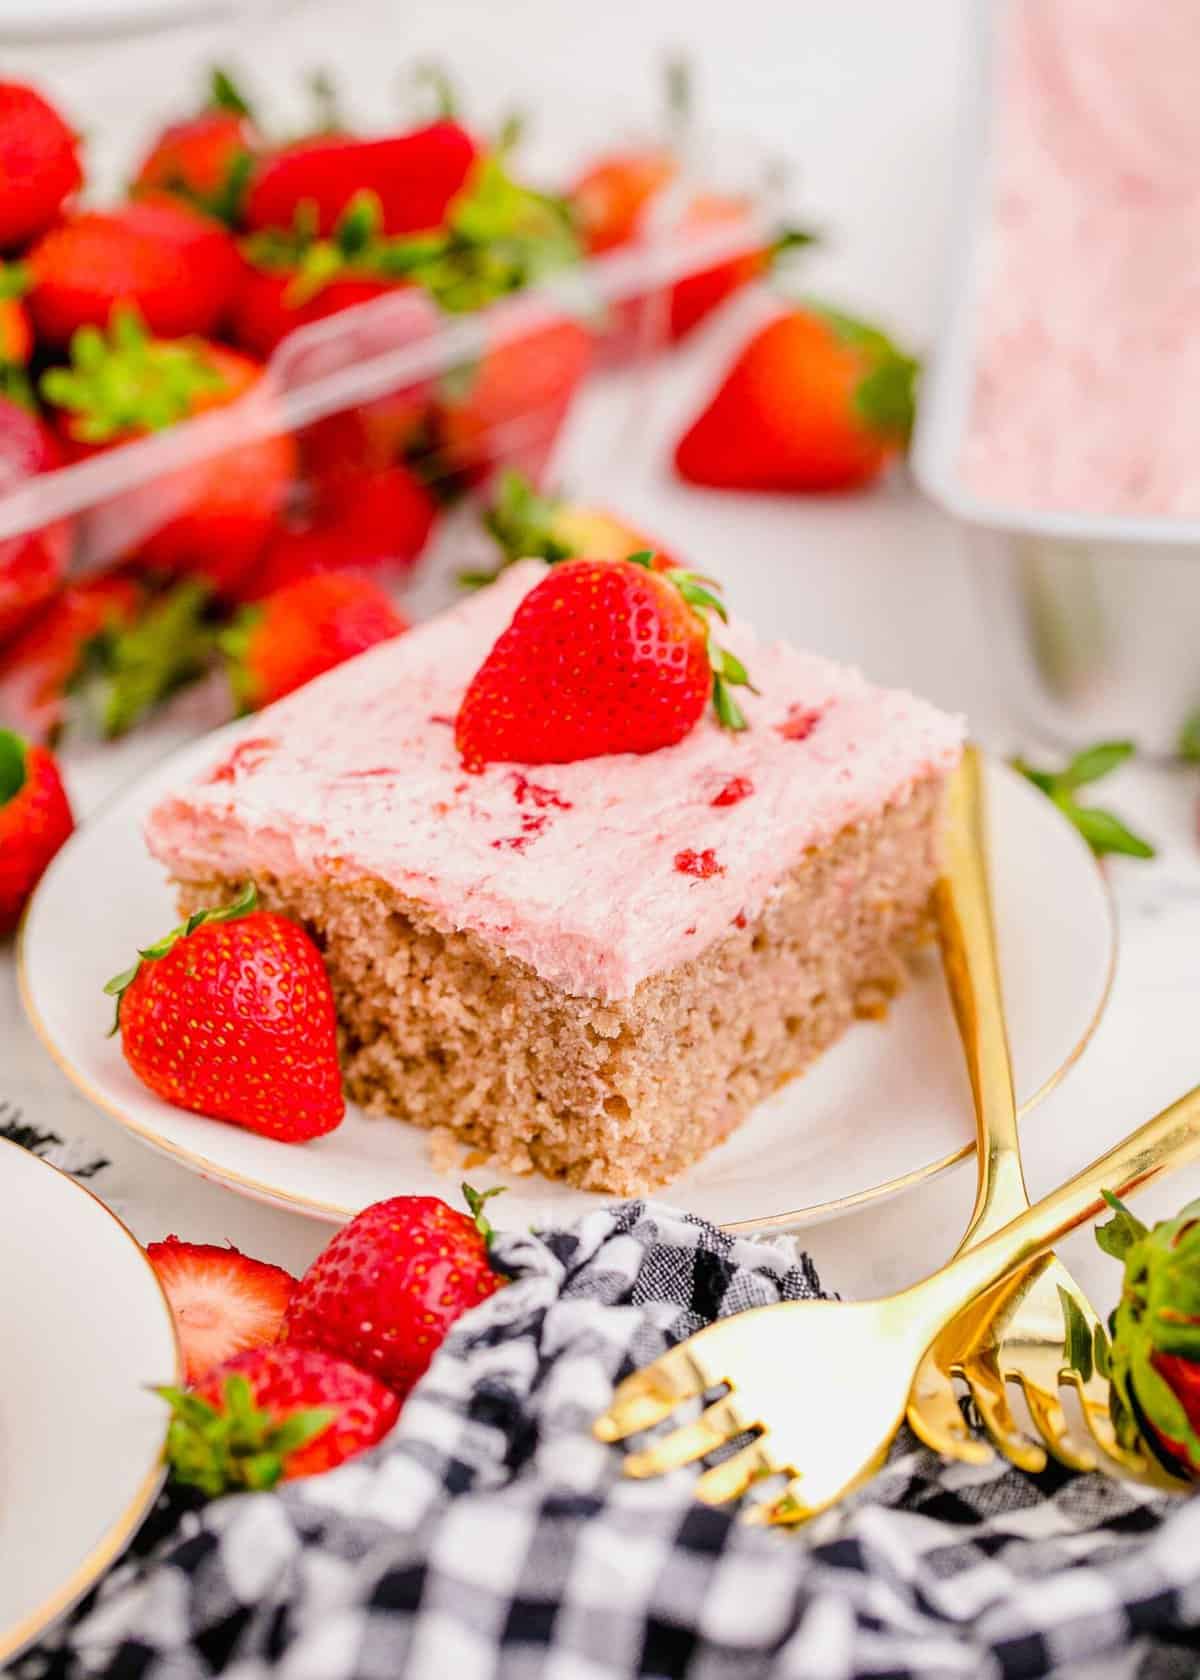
{"x":271,"y":1415}
{"x":209,"y":520}
{"x":35,"y":819}
{"x":815,"y":401}
{"x":602,"y":656}
{"x":176,"y":267}
{"x":612,"y":195}
{"x":231,"y":1015}
{"x":514,"y":402}
{"x":268,"y":305}
{"x":303,"y":629}
{"x":224,"y":1302}
{"x":38,"y":665}
{"x":39,"y":164}
{"x":527,"y":525}
{"x":697,"y":295}
{"x":414,"y":176}
{"x":386,"y":1290}
{"x":362,"y":519}
{"x":16,"y":329}
{"x":206,"y":160}
{"x":32,"y":565}
{"x":294,"y":277}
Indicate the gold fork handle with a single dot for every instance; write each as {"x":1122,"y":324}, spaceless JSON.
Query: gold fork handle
{"x":967,"y":934}
{"x":1168,"y":1140}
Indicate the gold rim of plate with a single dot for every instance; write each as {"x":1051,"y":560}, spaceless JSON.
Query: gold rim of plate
{"x":814,"y":1214}
{"x":15,"y":1639}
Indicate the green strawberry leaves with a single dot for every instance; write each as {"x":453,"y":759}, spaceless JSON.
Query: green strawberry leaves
{"x":126,"y":670}
{"x":727,"y":669}
{"x":237,"y":1445}
{"x":246,"y":901}
{"x":885,"y":397}
{"x":476,"y":1201}
{"x":1077,"y":1342}
{"x":499,"y":237}
{"x":125,"y":381}
{"x":1103,"y":830}
{"x":1156,"y":1320}
{"x":522,"y":522}
{"x":225,"y":95}
{"x":14,"y":766}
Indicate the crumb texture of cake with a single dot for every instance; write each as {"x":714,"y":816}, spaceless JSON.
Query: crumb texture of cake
{"x":446,"y":1030}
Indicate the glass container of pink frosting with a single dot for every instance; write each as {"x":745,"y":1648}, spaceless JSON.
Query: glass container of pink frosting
{"x":1058,"y":417}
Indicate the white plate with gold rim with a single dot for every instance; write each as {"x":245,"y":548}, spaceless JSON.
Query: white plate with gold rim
{"x":85,"y":1331}
{"x":886,"y":1108}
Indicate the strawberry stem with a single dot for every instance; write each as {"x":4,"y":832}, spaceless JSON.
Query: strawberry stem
{"x":120,"y":983}
{"x":475,"y":1200}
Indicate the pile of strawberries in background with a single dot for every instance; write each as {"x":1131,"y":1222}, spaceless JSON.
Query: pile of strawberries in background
{"x":273,"y":557}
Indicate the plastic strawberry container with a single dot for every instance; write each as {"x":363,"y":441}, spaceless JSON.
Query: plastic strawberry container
{"x":351,"y":384}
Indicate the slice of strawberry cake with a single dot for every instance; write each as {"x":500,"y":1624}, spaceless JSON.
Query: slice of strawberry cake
{"x":589,"y":885}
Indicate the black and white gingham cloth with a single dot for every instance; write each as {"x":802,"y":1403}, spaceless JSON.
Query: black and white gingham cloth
{"x":490,"y":1538}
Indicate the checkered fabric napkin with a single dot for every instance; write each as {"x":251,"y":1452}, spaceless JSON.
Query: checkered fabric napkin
{"x":490,"y":1538}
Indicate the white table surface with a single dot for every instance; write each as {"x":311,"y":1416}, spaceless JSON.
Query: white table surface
{"x":863,"y":97}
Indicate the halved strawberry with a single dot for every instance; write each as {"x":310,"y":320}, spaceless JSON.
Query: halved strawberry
{"x":223,"y":1301}
{"x":527,"y":524}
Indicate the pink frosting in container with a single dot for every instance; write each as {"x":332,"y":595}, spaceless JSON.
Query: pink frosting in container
{"x":1087,"y":356}
{"x":597,"y":873}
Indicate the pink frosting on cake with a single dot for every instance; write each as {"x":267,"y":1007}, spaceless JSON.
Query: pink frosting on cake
{"x":1089,"y":328}
{"x":597,"y":873}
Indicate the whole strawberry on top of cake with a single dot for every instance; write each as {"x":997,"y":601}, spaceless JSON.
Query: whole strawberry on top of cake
{"x":593,"y":872}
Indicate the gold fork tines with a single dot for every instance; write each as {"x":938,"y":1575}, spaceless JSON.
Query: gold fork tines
{"x":823,"y":1384}
{"x":1017,"y":1334}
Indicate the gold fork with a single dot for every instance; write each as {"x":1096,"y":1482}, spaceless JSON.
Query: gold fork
{"x":822,"y":1385}
{"x":1017,"y":1333}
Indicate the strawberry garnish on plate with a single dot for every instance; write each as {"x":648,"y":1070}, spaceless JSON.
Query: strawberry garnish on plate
{"x":224,"y":1302}
{"x":815,"y":401}
{"x":528,"y":524}
{"x":307,"y":627}
{"x":602,"y":656}
{"x":176,"y":266}
{"x":272,"y":1415}
{"x":232,"y":1015}
{"x":216,"y":514}
{"x":33,"y":564}
{"x":386,"y":1290}
{"x":414,"y":176}
{"x":363,"y":518}
{"x":39,"y":164}
{"x":206,"y":160}
{"x":35,"y":819}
